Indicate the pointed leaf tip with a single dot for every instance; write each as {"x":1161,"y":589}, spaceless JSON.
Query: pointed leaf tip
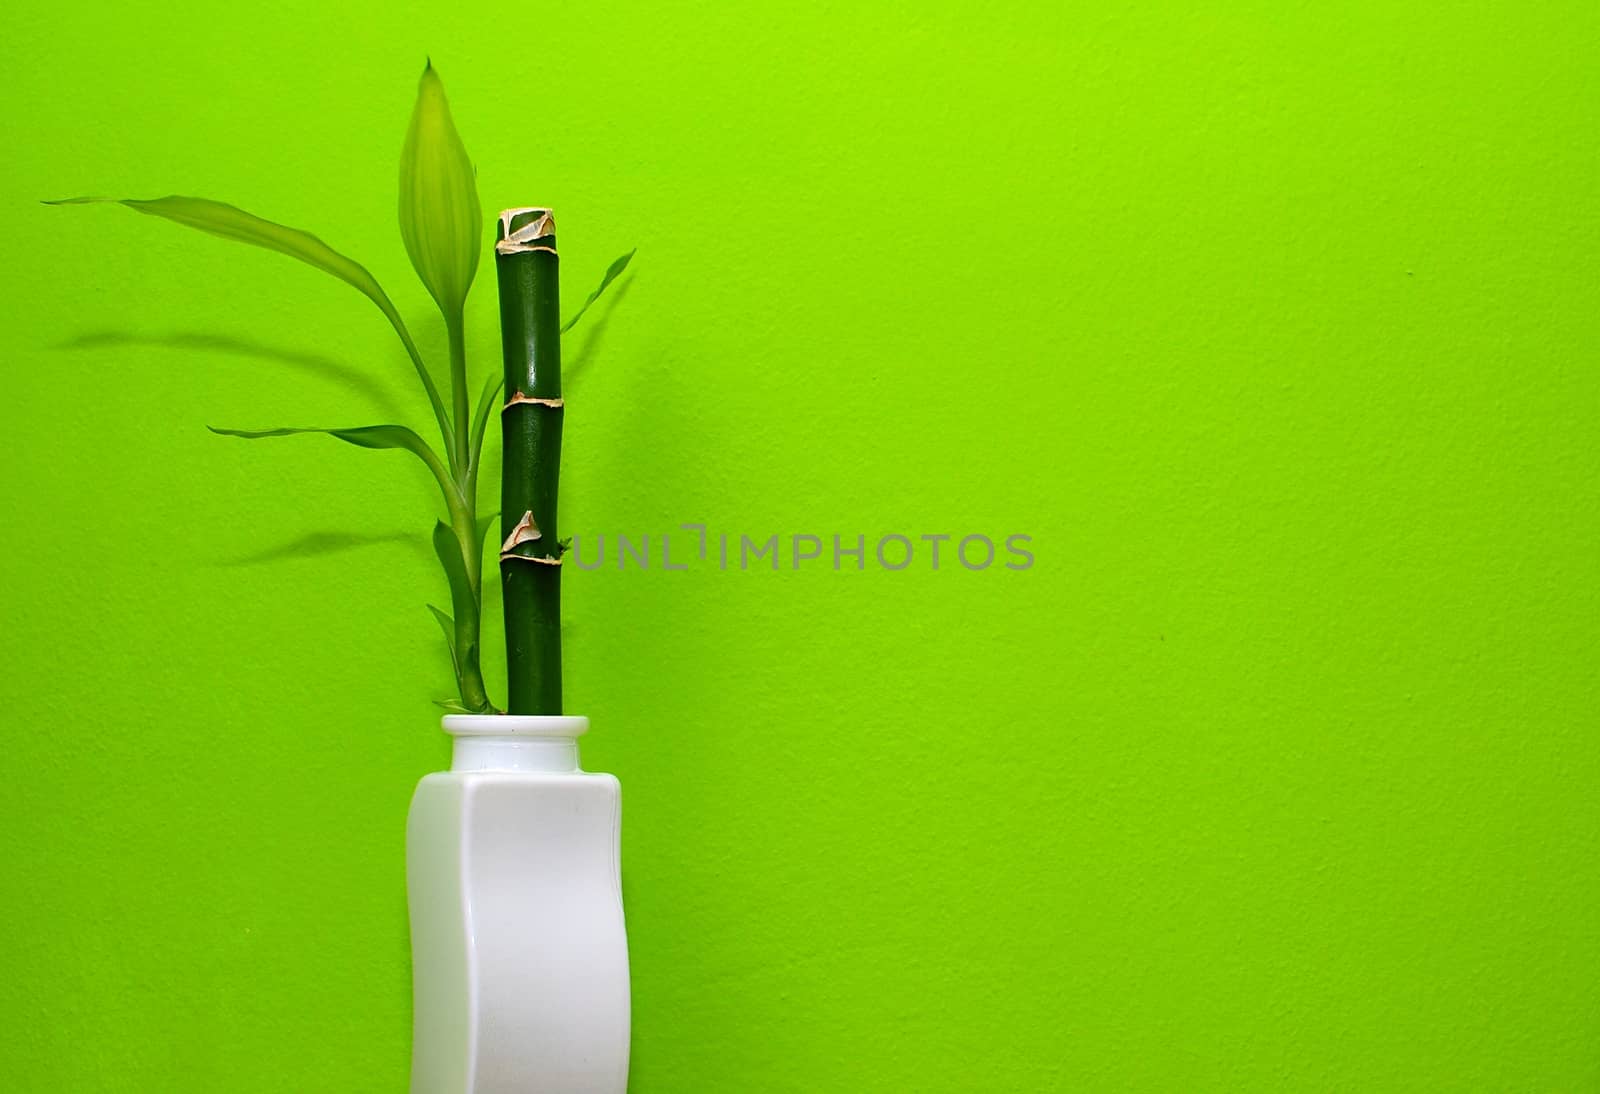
{"x":448,"y":625}
{"x":613,"y":272}
{"x":364,"y":436}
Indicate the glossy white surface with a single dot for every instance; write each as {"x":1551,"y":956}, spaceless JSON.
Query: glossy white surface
{"x":519,"y":951}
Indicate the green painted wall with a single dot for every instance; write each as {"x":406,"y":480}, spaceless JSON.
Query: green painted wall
{"x":1274,"y":327}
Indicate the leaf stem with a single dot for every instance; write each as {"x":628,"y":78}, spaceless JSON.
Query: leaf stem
{"x":440,"y":415}
{"x":462,"y":500}
{"x":459,"y":460}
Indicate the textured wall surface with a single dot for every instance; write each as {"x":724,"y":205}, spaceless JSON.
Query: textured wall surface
{"x":1275,"y":328}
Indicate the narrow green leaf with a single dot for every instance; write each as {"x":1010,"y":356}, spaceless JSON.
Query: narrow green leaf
{"x":448,"y":548}
{"x":448,"y":625}
{"x":231,"y":222}
{"x":441,"y":221}
{"x":366,"y":436}
{"x":480,"y":418}
{"x":455,"y":706}
{"x":464,"y":601}
{"x":486,"y":522}
{"x":613,"y":272}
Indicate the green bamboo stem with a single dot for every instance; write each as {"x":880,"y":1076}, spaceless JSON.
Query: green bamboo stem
{"x":530,"y":557}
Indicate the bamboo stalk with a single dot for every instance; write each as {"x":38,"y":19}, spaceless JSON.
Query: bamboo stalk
{"x":530,"y":557}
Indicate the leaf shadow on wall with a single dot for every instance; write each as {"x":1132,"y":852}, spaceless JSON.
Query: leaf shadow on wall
{"x":315,"y":364}
{"x":317,"y":544}
{"x":576,"y":364}
{"x":312,"y":544}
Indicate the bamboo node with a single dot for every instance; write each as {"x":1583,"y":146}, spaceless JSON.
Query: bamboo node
{"x":508,"y":556}
{"x":519,"y":397}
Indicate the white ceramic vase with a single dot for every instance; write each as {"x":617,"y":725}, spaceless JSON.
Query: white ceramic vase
{"x":519,"y":954}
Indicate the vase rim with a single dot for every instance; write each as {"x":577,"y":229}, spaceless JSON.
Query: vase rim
{"x":515,"y":725}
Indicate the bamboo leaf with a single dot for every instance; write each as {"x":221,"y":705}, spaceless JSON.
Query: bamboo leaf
{"x":613,"y":272}
{"x":230,"y":222}
{"x":455,"y":706}
{"x":448,"y":625}
{"x":464,"y":601}
{"x":441,"y":221}
{"x":448,"y":548}
{"x":480,"y":418}
{"x":366,"y":436}
{"x":486,"y":522}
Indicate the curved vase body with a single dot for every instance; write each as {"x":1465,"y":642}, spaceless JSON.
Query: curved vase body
{"x":519,"y":954}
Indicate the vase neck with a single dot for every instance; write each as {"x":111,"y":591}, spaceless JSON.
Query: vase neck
{"x":512,"y":742}
{"x":514,"y":754}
